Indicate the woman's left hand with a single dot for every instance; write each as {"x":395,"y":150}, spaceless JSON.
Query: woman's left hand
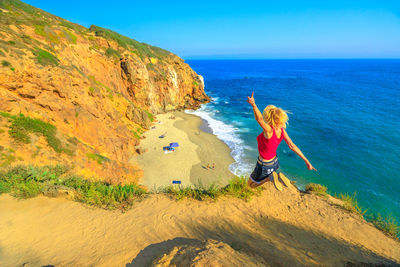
{"x":250,"y":100}
{"x":310,"y":167}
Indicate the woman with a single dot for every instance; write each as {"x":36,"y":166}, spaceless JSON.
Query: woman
{"x":273,"y":122}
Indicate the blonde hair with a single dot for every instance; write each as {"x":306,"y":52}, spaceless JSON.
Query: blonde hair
{"x":275,"y":117}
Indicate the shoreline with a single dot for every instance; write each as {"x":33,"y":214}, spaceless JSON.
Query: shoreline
{"x":205,"y":126}
{"x":198,"y":147}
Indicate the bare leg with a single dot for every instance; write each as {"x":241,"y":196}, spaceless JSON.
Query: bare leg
{"x":251,"y":183}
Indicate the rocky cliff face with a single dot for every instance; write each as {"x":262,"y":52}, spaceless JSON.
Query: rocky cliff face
{"x":98,"y":88}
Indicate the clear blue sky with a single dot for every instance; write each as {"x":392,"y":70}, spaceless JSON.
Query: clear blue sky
{"x":247,"y":29}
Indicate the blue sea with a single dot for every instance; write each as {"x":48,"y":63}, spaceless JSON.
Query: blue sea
{"x":344,"y":116}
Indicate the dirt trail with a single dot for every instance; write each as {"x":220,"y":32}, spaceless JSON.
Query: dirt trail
{"x":277,"y":228}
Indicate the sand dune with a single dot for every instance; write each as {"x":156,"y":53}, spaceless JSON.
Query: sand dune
{"x":286,"y":228}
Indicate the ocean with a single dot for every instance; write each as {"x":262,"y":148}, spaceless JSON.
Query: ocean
{"x":344,"y":116}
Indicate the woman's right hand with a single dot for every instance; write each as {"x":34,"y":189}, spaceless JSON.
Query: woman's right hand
{"x":251,"y":100}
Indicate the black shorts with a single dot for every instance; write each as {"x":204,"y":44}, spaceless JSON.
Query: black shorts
{"x":264,"y":170}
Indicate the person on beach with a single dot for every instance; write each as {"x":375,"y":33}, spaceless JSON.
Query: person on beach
{"x":273,"y":121}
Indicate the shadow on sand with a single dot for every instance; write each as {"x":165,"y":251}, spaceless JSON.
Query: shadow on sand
{"x":278,"y":243}
{"x":150,"y":253}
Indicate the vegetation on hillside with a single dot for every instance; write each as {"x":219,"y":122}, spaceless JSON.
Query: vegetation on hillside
{"x":30,"y":181}
{"x":317,"y":189}
{"x":22,"y":126}
{"x":44,"y":57}
{"x":142,"y":49}
{"x":237,"y":187}
{"x":55,"y":29}
{"x":387,"y":224}
{"x":97,"y":157}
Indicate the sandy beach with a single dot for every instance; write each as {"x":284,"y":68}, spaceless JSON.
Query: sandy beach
{"x":188,"y":163}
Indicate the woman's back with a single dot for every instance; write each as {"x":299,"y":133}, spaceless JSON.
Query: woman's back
{"x":267,"y":146}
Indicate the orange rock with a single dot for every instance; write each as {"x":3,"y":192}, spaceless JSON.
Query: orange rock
{"x":96,"y":90}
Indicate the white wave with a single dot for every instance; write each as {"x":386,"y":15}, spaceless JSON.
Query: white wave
{"x":228,"y":134}
{"x":244,"y":130}
{"x":215,"y":99}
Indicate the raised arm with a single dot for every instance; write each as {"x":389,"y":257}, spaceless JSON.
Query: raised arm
{"x":257,"y":114}
{"x":296,"y":150}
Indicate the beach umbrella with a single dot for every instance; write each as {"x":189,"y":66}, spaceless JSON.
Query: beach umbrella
{"x":173,"y":144}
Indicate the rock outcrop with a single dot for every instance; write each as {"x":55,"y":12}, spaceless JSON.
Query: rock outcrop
{"x":207,"y":253}
{"x":97,"y":87}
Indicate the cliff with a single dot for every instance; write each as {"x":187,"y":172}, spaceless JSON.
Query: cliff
{"x":96,"y":89}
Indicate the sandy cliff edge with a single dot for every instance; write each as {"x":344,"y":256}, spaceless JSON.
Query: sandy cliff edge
{"x":278,"y":228}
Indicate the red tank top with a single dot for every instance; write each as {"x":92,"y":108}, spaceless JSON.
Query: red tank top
{"x":267,"y":147}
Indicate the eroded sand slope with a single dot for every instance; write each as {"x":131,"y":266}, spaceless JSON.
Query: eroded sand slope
{"x":286,"y":228}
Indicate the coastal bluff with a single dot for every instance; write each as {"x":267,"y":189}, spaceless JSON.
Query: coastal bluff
{"x":288,"y":228}
{"x":82,"y":96}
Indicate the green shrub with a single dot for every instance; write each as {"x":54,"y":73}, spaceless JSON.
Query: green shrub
{"x":198,"y":193}
{"x":39,"y":30}
{"x":237,"y":187}
{"x":67,"y":24}
{"x":28,"y":181}
{"x":112,"y":53}
{"x":143,"y":50}
{"x":92,"y":79}
{"x":150,"y":66}
{"x":149,"y":115}
{"x":104,"y":195}
{"x":27,"y":190}
{"x":6,"y":158}
{"x":7,"y":115}
{"x":70,"y":36}
{"x":45,"y":58}
{"x":43,"y":29}
{"x":11,"y":4}
{"x":350,"y":203}
{"x":26,"y":39}
{"x":135,"y":134}
{"x":21,"y":126}
{"x":388,"y":225}
{"x":317,"y":189}
{"x":97,"y":157}
{"x":5,"y":63}
{"x":120,"y":39}
{"x":195,"y":83}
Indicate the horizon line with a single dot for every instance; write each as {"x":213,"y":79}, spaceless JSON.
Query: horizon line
{"x":294,"y":58}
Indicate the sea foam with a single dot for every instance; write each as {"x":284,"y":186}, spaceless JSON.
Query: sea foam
{"x":228,"y":134}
